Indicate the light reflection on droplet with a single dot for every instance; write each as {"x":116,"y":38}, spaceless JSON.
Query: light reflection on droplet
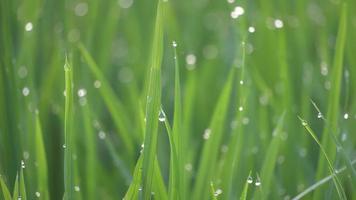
{"x":29,"y":26}
{"x":278,"y":23}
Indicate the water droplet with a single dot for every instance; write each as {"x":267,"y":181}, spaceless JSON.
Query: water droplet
{"x":81,"y":9}
{"x":237,"y":12}
{"x":207,"y":133}
{"x":76,"y":188}
{"x":302,"y":152}
{"x":64,"y":146}
{"x":25,"y":91}
{"x":241,"y":82}
{"x":249,"y":180}
{"x":320,"y":115}
{"x":102,"y":135}
{"x":38,"y":194}
{"x":304,"y":123}
{"x":324,"y":68}
{"x":190,"y":59}
{"x":245,"y":120}
{"x":258,"y":182}
{"x":97,"y":84}
{"x":224,"y":148}
{"x":19,"y":198}
{"x":161,"y":116}
{"x":125,"y":3}
{"x":82,"y":92}
{"x":28,"y":26}
{"x":241,"y":108}
{"x":174,"y":44}
{"x":142,"y":148}
{"x":188,"y":167}
{"x":218,"y":192}
{"x":346,"y":116}
{"x":140,"y":189}
{"x":251,"y":29}
{"x":278,"y":23}
{"x":23,"y":164}
{"x":230,"y":1}
{"x":22,"y":72}
{"x":73,"y":35}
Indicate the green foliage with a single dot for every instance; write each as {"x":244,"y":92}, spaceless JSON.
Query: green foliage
{"x":132,"y":117}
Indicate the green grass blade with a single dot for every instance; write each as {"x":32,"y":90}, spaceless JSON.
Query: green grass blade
{"x":90,"y":156}
{"x":42,"y":171}
{"x":334,"y":99}
{"x":212,"y":191}
{"x":177,"y":128}
{"x":243,"y":195}
{"x":114,"y":105}
{"x":336,"y":180}
{"x":173,"y":191}
{"x":153,"y":105}
{"x":20,"y":188}
{"x":270,"y":161}
{"x":68,"y":135}
{"x":5,"y":191}
{"x":135,"y":186}
{"x":210,"y":151}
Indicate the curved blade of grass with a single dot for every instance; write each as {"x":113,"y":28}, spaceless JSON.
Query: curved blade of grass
{"x":270,"y":160}
{"x":334,"y":99}
{"x":5,"y":191}
{"x":210,"y":151}
{"x":336,"y":180}
{"x":68,"y":135}
{"x":245,"y":190}
{"x":173,"y":191}
{"x":321,"y":182}
{"x":153,"y":105}
{"x":114,"y":105}
{"x":42,"y":171}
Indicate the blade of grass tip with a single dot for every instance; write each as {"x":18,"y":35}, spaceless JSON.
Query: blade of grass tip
{"x":269,"y":162}
{"x":245,"y":190}
{"x":5,"y":191}
{"x":344,"y":155}
{"x":19,"y":188}
{"x":42,"y":171}
{"x":114,"y":105}
{"x":68,"y":135}
{"x":334,"y":99}
{"x":212,"y":191}
{"x":173,"y":191}
{"x":210,"y":151}
{"x":336,"y":180}
{"x":153,"y":105}
{"x":177,"y":126}
{"x":321,"y":182}
{"x":135,"y":186}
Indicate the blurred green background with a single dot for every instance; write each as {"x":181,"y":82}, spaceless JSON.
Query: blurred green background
{"x":290,"y":51}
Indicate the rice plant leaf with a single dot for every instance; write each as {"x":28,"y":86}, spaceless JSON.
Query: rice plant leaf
{"x":20,"y":188}
{"x":211,"y":147}
{"x":243,"y":195}
{"x":333,"y":110}
{"x":5,"y":191}
{"x":114,"y":105}
{"x":173,"y":162}
{"x":336,"y":180}
{"x":153,"y":105}
{"x":42,"y":172}
{"x":68,"y":134}
{"x":90,"y":157}
{"x":270,"y":160}
{"x":135,"y":187}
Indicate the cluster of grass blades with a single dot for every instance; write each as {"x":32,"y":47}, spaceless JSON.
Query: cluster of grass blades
{"x":219,"y":125}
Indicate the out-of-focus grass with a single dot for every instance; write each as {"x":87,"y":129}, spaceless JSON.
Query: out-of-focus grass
{"x":242,"y":64}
